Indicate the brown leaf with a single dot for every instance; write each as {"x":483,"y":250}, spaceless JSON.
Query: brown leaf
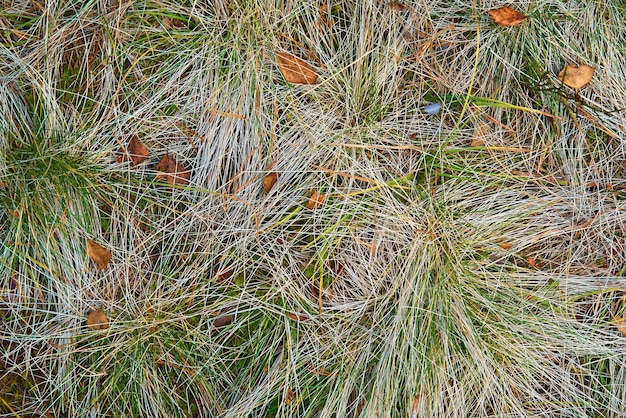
{"x":97,"y":320}
{"x":506,"y":245}
{"x":295,"y":70}
{"x":136,"y":152}
{"x":98,"y":254}
{"x":297,"y":318}
{"x":575,"y":76}
{"x":222,"y":321}
{"x":224,"y":274}
{"x":506,"y":16}
{"x":316,"y":200}
{"x":172,"y":170}
{"x":269,"y":180}
{"x":290,"y":396}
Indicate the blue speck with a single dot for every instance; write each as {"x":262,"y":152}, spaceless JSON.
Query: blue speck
{"x":433,"y":108}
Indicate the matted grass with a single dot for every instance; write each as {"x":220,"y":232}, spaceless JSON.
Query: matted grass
{"x":468,"y":263}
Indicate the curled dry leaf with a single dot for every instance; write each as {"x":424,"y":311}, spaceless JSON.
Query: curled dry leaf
{"x":295,"y":70}
{"x":135,"y":151}
{"x":506,"y":16}
{"x":575,"y":76}
{"x":98,"y":254}
{"x":316,"y":200}
{"x":97,"y":320}
{"x":269,"y":180}
{"x":172,"y":170}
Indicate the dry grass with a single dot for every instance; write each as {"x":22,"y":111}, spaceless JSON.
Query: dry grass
{"x":468,"y":263}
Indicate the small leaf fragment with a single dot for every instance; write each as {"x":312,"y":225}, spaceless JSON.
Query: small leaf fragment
{"x":269,"y":180}
{"x":290,"y":396}
{"x":316,"y":200}
{"x":505,"y":16}
{"x":575,"y":76}
{"x":505,"y":245}
{"x":135,"y":151}
{"x":478,"y":137}
{"x":295,"y":70}
{"x":297,"y":318}
{"x":173,"y":171}
{"x":98,"y":254}
{"x":97,"y":320}
{"x":621,"y":325}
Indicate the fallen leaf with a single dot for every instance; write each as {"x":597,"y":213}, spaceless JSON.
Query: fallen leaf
{"x":575,"y":76}
{"x":222,"y":321}
{"x":269,"y":180}
{"x":295,"y":70}
{"x":135,"y":151}
{"x":295,"y":317}
{"x":506,"y":245}
{"x":98,"y":254}
{"x":224,"y":274}
{"x":506,"y":16}
{"x":14,"y":213}
{"x":97,"y":320}
{"x":480,"y":132}
{"x":415,"y":406}
{"x":316,"y":200}
{"x":621,"y":325}
{"x":172,"y":170}
{"x":396,"y":5}
{"x":290,"y":396}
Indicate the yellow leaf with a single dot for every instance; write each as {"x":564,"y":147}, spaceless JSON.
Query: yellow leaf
{"x":295,"y":70}
{"x":575,"y":76}
{"x":98,"y":254}
{"x":97,"y":320}
{"x":269,"y":180}
{"x":506,"y":16}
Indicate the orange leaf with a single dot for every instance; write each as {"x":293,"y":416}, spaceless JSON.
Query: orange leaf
{"x":97,"y":320}
{"x":575,"y":76}
{"x":136,"y":152}
{"x":98,"y":254}
{"x":506,"y":245}
{"x":506,"y":16}
{"x":295,"y":70}
{"x":532,"y":262}
{"x":172,"y":170}
{"x":269,"y":180}
{"x":316,"y":199}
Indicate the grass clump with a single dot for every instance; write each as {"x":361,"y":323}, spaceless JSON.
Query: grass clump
{"x":402,"y":261}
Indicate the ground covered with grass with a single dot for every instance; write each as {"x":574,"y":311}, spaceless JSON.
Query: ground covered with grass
{"x":429,"y":223}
